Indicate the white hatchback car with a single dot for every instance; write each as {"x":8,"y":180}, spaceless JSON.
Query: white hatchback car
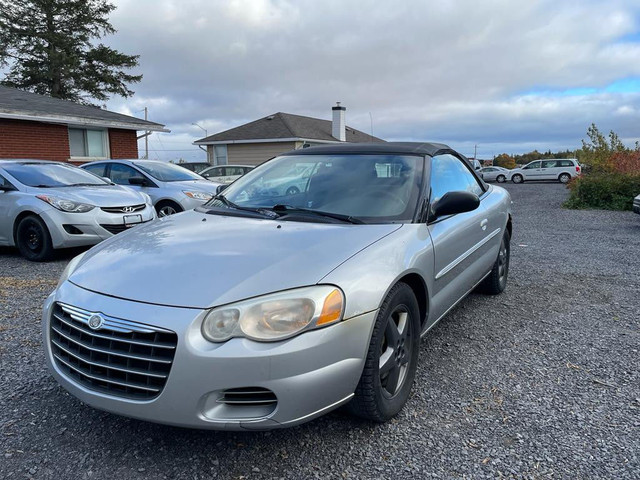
{"x":556,"y":169}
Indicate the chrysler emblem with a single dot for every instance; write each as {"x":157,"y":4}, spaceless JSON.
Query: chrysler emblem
{"x":127,"y":209}
{"x":95,"y":322}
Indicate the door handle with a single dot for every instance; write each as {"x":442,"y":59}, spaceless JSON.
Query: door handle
{"x":483,"y":224}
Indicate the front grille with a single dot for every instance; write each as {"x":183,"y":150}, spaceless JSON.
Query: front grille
{"x":121,"y":358}
{"x":121,"y":210}
{"x":116,"y":228}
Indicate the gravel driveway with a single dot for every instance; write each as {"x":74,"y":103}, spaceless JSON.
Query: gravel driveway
{"x":540,"y":382}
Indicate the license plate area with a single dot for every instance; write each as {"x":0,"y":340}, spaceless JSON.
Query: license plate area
{"x":131,"y":220}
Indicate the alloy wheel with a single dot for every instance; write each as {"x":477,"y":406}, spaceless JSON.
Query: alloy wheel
{"x":395,"y":351}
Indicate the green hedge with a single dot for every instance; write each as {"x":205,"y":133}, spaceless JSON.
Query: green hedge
{"x":607,"y":191}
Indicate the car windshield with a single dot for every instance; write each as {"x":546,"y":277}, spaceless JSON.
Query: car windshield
{"x":167,"y":172}
{"x":52,"y":175}
{"x":366,"y":188}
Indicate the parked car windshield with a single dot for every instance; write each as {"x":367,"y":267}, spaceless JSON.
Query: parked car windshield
{"x":51,"y":175}
{"x":370,"y":188}
{"x":166,"y":172}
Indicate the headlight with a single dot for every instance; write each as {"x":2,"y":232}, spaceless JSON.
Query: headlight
{"x":69,"y":269}
{"x":205,"y":197}
{"x":276,"y":316}
{"x":65,"y":205}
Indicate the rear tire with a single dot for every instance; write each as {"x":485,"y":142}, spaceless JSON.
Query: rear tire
{"x":166,"y":208}
{"x":501,"y":178}
{"x":33,"y":239}
{"x":392,"y":358}
{"x":496,"y":282}
{"x":564,"y":178}
{"x":517,"y":178}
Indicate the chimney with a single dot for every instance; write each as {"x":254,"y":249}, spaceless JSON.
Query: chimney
{"x":337,"y":125}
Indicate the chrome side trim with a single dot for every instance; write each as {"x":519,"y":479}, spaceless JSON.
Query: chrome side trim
{"x":110,"y":323}
{"x":466,"y":254}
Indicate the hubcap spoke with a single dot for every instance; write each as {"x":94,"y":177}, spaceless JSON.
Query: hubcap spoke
{"x":391,"y":332}
{"x":393,"y":380}
{"x":387,"y":361}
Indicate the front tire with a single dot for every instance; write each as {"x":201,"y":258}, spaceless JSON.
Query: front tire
{"x":166,"y":208}
{"x":517,"y":178}
{"x":392,"y":358}
{"x":501,"y":178}
{"x":33,"y":239}
{"x":496,"y":282}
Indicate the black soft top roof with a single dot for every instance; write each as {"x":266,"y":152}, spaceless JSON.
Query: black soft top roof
{"x":388,"y":148}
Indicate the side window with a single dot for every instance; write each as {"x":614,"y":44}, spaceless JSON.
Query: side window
{"x":549,"y":164}
{"x":96,"y":169}
{"x":566,"y":163}
{"x":120,"y":174}
{"x":450,"y":174}
{"x":4,"y":182}
{"x":532,"y":166}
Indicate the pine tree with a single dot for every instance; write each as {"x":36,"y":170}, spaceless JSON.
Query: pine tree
{"x":49,"y":47}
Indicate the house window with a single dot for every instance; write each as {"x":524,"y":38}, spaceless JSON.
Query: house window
{"x":88,"y":143}
{"x":220,"y":154}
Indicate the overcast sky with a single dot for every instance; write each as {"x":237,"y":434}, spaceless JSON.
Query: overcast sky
{"x":506,"y":75}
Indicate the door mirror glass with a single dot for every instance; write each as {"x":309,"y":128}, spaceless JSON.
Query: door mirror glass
{"x":454,"y":202}
{"x":138,"y":181}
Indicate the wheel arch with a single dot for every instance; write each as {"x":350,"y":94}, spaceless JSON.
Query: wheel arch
{"x":19,"y":218}
{"x":419,"y":287}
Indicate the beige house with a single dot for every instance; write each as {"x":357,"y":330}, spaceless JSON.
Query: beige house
{"x":260,"y":140}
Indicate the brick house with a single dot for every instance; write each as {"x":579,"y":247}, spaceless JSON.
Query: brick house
{"x":258,"y":141}
{"x":40,"y":127}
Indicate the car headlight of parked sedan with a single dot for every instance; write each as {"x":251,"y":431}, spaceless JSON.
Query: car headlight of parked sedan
{"x":66,"y":205}
{"x":203,"y":196}
{"x":276,"y":316}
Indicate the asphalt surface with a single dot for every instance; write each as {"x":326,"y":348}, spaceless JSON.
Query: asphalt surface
{"x":539,"y":382}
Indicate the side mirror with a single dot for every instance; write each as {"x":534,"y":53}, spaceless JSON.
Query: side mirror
{"x":138,"y":181}
{"x":454,"y":202}
{"x":221,"y":188}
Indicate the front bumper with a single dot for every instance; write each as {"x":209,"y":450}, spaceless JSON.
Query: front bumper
{"x":309,"y":374}
{"x":86,"y":227}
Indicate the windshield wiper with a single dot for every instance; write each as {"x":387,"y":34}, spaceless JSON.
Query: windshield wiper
{"x":85,"y":184}
{"x":284,"y":209}
{"x":229,"y":204}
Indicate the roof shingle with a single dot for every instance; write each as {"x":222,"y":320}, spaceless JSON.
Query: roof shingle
{"x":20,"y":104}
{"x":286,"y":125}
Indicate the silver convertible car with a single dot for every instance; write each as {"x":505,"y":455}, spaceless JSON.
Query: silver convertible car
{"x":48,"y":205}
{"x":262,"y":310}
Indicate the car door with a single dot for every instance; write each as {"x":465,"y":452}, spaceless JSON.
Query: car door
{"x":489,"y":174}
{"x":7,"y":201}
{"x":532,"y":171}
{"x":460,"y":241}
{"x":119,"y":173}
{"x":548,"y":170}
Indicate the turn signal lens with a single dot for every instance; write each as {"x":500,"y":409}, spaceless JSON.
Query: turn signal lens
{"x":332,"y":308}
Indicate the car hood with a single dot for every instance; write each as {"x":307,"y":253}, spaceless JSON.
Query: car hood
{"x":202,"y":185}
{"x":100,"y":196}
{"x":198,"y":260}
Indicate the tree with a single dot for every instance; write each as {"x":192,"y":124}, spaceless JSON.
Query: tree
{"x":505,"y":161}
{"x":598,"y":152}
{"x":49,"y":47}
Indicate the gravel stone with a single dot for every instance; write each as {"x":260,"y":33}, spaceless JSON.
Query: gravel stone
{"x":539,"y":382}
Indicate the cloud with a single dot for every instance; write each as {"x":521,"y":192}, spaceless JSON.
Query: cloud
{"x":495,"y":72}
